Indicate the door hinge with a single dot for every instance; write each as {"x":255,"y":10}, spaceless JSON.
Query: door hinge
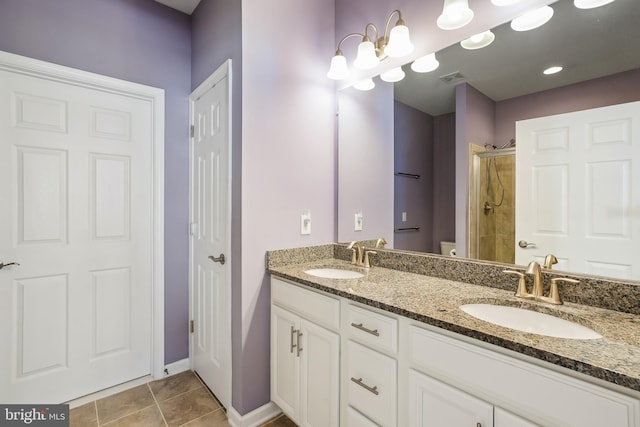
{"x":191,"y":326}
{"x":192,"y":131}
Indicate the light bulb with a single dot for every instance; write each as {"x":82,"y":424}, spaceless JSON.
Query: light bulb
{"x":532,"y":19}
{"x":393,"y":75}
{"x":478,"y":41}
{"x":504,"y":2}
{"x":366,"y":84}
{"x":425,"y":63}
{"x":366,"y":58}
{"x":590,"y":4}
{"x":455,"y":14}
{"x":338,"y":69}
{"x":399,"y":42}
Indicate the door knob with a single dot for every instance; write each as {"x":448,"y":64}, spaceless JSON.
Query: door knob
{"x":524,"y":244}
{"x":219,"y":259}
{"x":3,"y":265}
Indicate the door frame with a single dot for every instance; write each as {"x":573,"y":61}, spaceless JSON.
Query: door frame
{"x":155,"y":96}
{"x":220,"y":73}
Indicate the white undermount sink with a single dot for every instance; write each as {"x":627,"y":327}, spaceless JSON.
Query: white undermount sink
{"x":334,"y":273}
{"x":529,"y":321}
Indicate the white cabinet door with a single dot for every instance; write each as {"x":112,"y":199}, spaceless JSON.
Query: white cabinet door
{"x":319,"y":375}
{"x":305,"y":363}
{"x":285,"y":364}
{"x":502,"y":418}
{"x":435,"y":404}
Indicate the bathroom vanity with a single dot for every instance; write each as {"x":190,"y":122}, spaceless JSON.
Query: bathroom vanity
{"x":393,"y":348}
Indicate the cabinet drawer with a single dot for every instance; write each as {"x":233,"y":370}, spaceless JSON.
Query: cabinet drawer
{"x":311,"y":305}
{"x":372,"y":328}
{"x":356,"y":419}
{"x":542,"y":395}
{"x":371,"y":383}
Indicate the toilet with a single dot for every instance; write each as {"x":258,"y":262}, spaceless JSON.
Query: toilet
{"x":448,"y":248}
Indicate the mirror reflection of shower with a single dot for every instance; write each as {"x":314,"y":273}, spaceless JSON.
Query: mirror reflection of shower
{"x":494,"y":184}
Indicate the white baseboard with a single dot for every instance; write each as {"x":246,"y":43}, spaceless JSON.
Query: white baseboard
{"x":108,"y":392}
{"x":176,"y":367}
{"x":254,"y":418}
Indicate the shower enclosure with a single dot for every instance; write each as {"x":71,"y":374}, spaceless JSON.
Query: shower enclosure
{"x":492,"y":204}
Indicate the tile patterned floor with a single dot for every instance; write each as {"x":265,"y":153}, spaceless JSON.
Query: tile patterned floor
{"x":178,"y":400}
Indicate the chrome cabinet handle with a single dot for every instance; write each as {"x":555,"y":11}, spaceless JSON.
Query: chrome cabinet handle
{"x":298,"y":346}
{"x":3,"y":265}
{"x":367,"y":330}
{"x":219,"y":259}
{"x":524,"y":244}
{"x":373,"y":389}
{"x":293,"y":331}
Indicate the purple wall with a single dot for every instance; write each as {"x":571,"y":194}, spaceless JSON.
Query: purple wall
{"x":475,"y":124}
{"x":288,"y":159}
{"x":601,"y":92}
{"x":444,"y":179}
{"x":216,"y":35}
{"x":413,"y":154}
{"x":140,"y":41}
{"x":366,"y":179}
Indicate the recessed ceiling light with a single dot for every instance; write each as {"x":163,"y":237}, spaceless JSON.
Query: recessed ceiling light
{"x":532,"y":19}
{"x":478,"y":41}
{"x":590,"y":4}
{"x":552,"y":70}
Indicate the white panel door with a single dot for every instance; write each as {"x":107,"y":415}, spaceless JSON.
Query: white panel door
{"x":577,"y":191}
{"x":210,"y":260}
{"x":76,"y":213}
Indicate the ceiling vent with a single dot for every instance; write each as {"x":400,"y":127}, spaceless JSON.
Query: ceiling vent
{"x":453,"y":78}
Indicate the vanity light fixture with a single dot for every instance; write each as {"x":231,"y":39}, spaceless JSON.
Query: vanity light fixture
{"x":552,"y":70}
{"x":393,"y":75}
{"x":532,"y":19}
{"x":395,"y":44}
{"x":590,"y":4}
{"x":504,"y":2}
{"x":478,"y":41}
{"x":455,"y":14}
{"x":366,"y":84}
{"x":425,"y":64}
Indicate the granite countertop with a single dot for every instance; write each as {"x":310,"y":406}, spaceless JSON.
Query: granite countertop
{"x":435,"y":301}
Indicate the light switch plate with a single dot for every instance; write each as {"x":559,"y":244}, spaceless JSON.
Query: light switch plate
{"x":357,"y":226}
{"x":305,"y":222}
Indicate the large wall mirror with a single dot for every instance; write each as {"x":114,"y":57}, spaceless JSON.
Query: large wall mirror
{"x":445,"y":150}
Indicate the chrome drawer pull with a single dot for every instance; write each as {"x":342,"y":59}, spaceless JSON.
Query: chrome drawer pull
{"x":299,"y":348}
{"x":293,"y":331}
{"x":369,"y":331}
{"x":358,"y":381}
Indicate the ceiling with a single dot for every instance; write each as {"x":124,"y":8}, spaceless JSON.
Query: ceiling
{"x":184,"y":6}
{"x":587,"y":43}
